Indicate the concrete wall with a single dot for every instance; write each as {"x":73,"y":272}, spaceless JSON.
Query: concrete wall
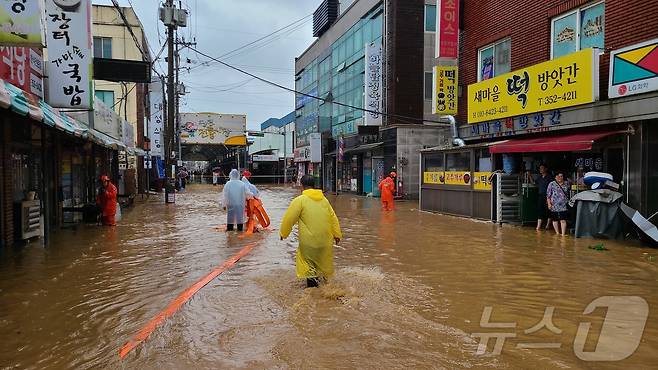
{"x":410,"y":140}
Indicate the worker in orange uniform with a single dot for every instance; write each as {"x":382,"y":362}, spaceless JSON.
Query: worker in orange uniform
{"x":387,"y":187}
{"x":107,"y":200}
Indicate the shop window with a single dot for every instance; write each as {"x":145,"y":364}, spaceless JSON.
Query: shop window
{"x":106,"y":96}
{"x":428,"y":85}
{"x":578,"y":29}
{"x":483,"y":160}
{"x":460,"y":161}
{"x":103,"y":47}
{"x":430,"y":18}
{"x":495,"y":59}
{"x":434,"y":163}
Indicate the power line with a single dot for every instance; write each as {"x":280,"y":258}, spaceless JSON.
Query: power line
{"x":234,"y":51}
{"x":398,"y":116}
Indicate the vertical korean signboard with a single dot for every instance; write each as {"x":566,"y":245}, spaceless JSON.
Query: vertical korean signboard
{"x":447,"y":29}
{"x":68,"y":33}
{"x":20,"y":23}
{"x":445,"y":90}
{"x":373,"y":84}
{"x":156,"y":118}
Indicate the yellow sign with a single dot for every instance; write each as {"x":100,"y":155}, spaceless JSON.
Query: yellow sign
{"x":433,"y":178}
{"x":563,"y":82}
{"x":444,"y":99}
{"x":482,"y":181}
{"x":458,"y":178}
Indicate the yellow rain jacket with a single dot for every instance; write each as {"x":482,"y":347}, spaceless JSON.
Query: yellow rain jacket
{"x":318,"y":226}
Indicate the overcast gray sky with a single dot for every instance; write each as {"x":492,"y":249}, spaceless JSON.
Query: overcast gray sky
{"x":221,"y":26}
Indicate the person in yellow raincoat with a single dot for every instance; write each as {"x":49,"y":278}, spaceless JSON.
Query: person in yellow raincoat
{"x":318,"y":230}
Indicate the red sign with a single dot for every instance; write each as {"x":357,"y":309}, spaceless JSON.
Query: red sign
{"x":447,"y":28}
{"x":23,"y":68}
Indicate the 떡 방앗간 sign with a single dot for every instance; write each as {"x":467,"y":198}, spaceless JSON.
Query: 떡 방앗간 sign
{"x":563,"y":82}
{"x":69,"y":54}
{"x":373,"y":84}
{"x":445,"y":90}
{"x":20,"y":23}
{"x":634,"y":69}
{"x":447,"y":29}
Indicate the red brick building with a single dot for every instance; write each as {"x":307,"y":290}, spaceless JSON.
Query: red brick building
{"x":503,"y":36}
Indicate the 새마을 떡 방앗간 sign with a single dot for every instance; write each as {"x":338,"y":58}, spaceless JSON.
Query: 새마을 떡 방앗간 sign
{"x":563,"y":82}
{"x":444,"y":100}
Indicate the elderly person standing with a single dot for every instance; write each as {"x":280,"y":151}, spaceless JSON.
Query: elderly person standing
{"x":235,"y":195}
{"x":542,"y":180}
{"x":557,"y":197}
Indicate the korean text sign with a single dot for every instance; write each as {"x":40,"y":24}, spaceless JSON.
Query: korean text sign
{"x":445,"y":90}
{"x":22,"y":67}
{"x":70,"y":55}
{"x":563,"y":82}
{"x":447,"y":29}
{"x":373,"y":84}
{"x":156,"y":118}
{"x":20,"y":22}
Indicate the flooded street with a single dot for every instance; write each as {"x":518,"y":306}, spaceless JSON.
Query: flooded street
{"x":409,"y":292}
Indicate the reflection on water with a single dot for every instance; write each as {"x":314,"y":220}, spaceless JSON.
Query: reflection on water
{"x":409,"y":291}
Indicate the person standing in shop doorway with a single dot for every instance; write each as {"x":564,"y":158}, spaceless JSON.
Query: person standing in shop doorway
{"x":542,"y":180}
{"x":386,"y":188}
{"x":556,"y":199}
{"x":107,"y":201}
{"x":318,"y":231}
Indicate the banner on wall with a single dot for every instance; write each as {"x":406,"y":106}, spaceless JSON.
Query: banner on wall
{"x":213,"y":128}
{"x":563,"y":82}
{"x":20,"y":22}
{"x":373,"y":84}
{"x":445,"y":90}
{"x":462,"y":178}
{"x":447,"y":29}
{"x":634,"y":69}
{"x":436,"y":178}
{"x":482,"y":180}
{"x":156,"y":117}
{"x":68,"y":34}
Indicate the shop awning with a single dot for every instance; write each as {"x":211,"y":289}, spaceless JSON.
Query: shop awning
{"x":106,"y":141}
{"x":558,"y":143}
{"x":363,"y":147}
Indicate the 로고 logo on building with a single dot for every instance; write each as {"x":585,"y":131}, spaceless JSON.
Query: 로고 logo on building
{"x":634,"y":70}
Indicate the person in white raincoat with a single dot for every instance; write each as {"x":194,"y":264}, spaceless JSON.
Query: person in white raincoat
{"x":235,"y":195}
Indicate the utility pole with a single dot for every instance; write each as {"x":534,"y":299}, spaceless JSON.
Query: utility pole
{"x":171,"y":113}
{"x":172,"y":18}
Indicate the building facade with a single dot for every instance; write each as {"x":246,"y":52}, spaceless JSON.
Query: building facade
{"x":568,"y":96}
{"x":356,"y":151}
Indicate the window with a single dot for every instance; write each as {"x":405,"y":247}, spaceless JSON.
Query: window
{"x":434,"y":163}
{"x":494,"y":60}
{"x":579,"y":29}
{"x":106,"y":96}
{"x":430,"y":18}
{"x":103,"y":47}
{"x":458,"y":161}
{"x":429,"y":77}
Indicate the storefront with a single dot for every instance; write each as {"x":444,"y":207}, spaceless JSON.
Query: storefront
{"x":309,"y":159}
{"x":553,"y":116}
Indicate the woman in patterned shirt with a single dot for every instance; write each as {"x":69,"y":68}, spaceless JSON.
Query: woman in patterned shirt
{"x":557,"y":198}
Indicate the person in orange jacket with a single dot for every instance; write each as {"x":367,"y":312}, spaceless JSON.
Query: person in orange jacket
{"x":107,"y":200}
{"x":386,"y":187}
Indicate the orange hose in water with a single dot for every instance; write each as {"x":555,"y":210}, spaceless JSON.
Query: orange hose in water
{"x":181,"y":300}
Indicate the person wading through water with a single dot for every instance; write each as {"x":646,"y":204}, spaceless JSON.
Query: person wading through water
{"x":318,"y":230}
{"x":235,"y":196}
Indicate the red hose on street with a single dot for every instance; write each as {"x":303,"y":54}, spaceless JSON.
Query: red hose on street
{"x":181,"y":300}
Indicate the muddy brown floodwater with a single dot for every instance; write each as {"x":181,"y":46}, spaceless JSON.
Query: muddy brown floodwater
{"x":409,"y":292}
